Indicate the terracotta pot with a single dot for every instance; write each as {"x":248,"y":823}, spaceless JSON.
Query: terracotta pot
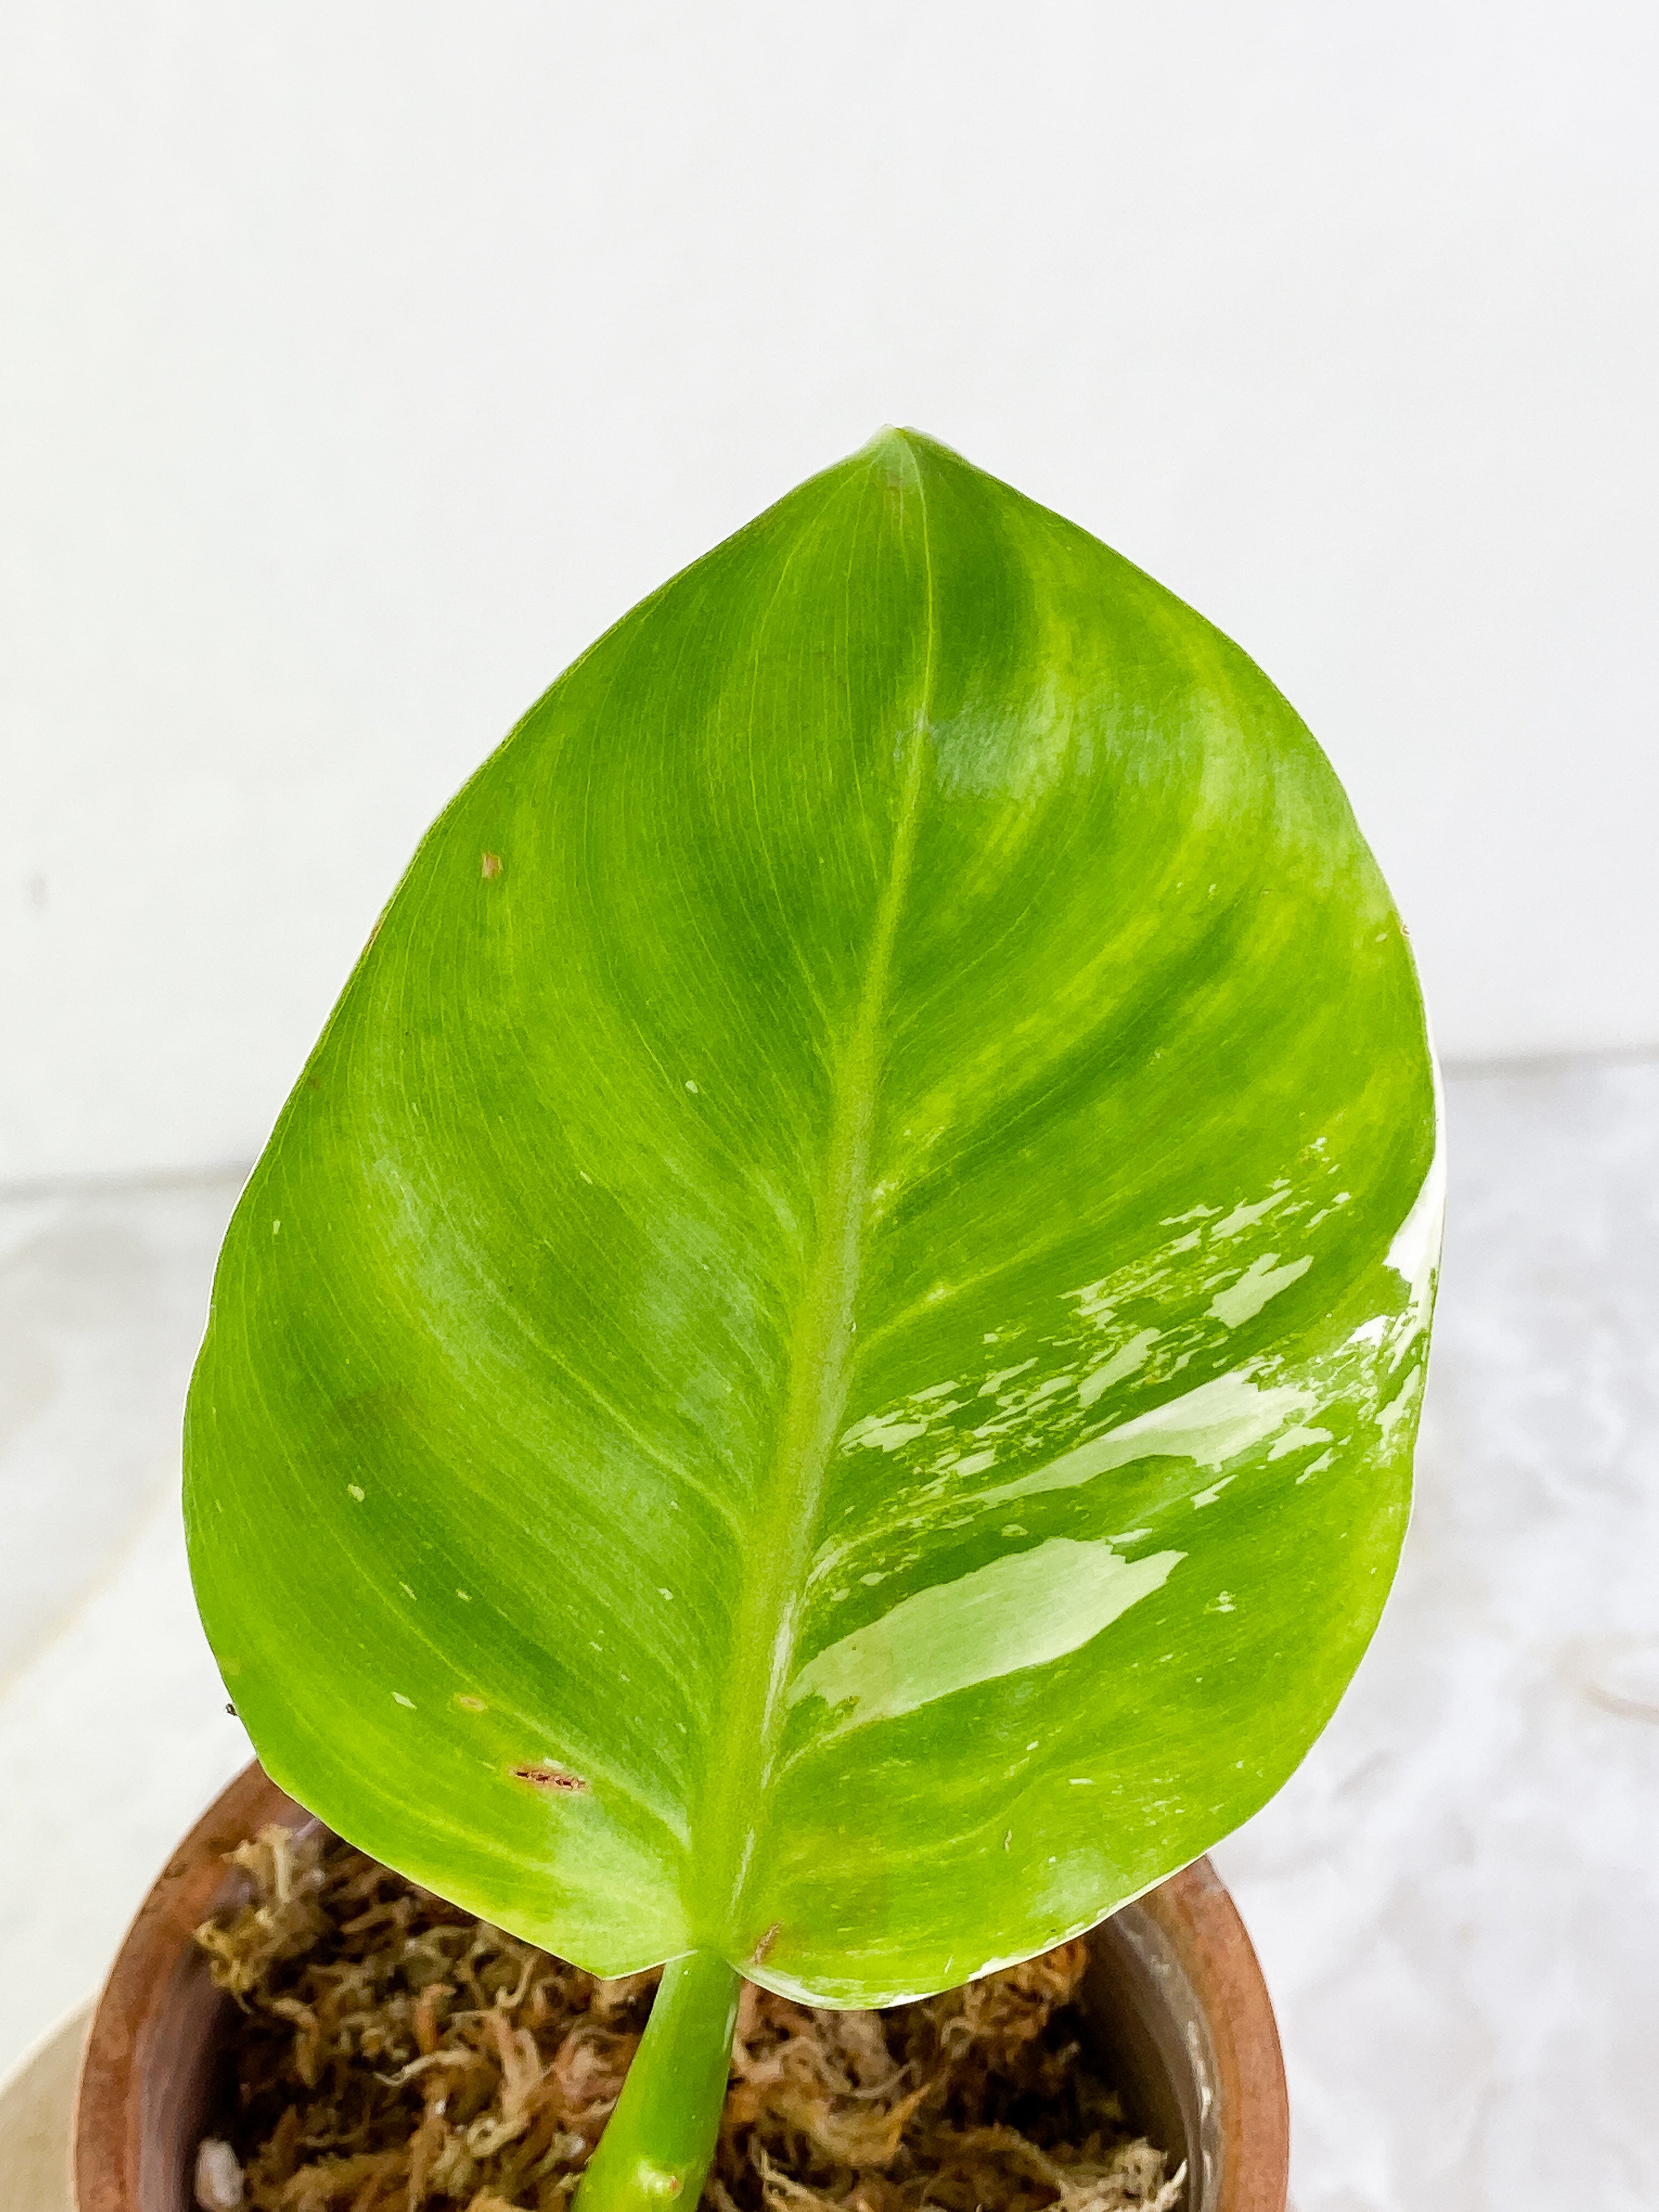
{"x":1175,"y":1992}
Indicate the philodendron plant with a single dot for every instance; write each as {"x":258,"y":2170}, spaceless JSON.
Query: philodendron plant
{"x":818,"y":1380}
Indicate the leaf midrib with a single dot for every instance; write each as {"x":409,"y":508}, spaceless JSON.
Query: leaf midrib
{"x":743,"y":1752}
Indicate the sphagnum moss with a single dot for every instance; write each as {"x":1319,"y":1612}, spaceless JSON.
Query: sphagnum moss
{"x":394,"y":2052}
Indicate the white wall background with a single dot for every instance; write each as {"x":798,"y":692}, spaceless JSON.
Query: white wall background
{"x":362,"y":360}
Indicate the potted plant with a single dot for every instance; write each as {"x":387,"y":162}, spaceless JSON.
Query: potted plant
{"x":817,"y":1381}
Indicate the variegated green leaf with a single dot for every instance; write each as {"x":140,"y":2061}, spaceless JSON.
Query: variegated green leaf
{"x":822,"y":1365}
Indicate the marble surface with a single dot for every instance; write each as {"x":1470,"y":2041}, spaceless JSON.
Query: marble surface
{"x":1456,"y":1898}
{"x":114,"y":1732}
{"x":102,"y":1294}
{"x":36,"y":2101}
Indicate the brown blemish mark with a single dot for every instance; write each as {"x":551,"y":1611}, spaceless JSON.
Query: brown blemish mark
{"x":472,"y":1704}
{"x":551,"y":1777}
{"x":766,"y":1943}
{"x":490,"y":866}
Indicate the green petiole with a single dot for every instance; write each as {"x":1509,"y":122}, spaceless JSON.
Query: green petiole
{"x":657,"y":2144}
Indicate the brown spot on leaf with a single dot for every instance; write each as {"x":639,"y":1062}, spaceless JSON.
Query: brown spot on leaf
{"x":472,"y":1704}
{"x":766,"y":1942}
{"x":490,"y":866}
{"x":551,"y":1777}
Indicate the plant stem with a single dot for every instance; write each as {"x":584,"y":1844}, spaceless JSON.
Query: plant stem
{"x":658,"y":2142}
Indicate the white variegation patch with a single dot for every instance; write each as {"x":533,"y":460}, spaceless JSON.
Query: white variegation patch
{"x":1121,"y":1364}
{"x":1218,"y":1421}
{"x":1241,"y":1301}
{"x":1128,"y":1336}
{"x":1414,"y":1254}
{"x":1021,"y":1611}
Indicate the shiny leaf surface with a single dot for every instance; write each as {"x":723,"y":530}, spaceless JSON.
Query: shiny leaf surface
{"x":823,"y":1364}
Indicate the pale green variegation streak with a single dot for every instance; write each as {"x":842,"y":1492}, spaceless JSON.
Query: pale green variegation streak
{"x":849,"y":1284}
{"x":1218,"y":1421}
{"x":1022,"y":1610}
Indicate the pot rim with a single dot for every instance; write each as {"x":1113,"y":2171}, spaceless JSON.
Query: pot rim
{"x":1195,"y":1938}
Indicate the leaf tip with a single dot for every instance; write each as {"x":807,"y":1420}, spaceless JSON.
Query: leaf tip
{"x":892,"y":448}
